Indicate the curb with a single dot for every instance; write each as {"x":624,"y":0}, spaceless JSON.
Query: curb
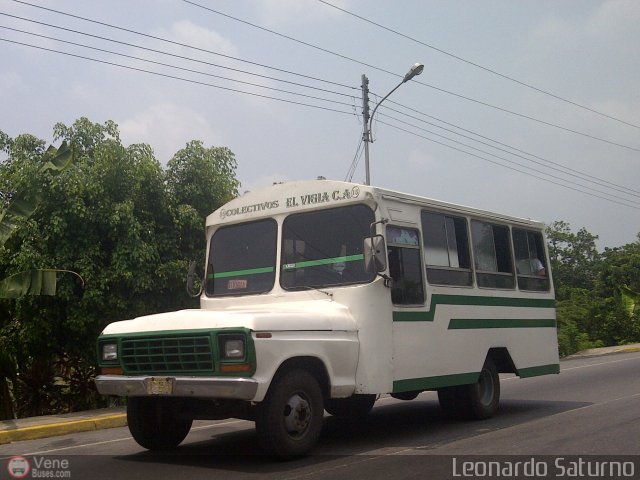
{"x":598,"y":352}
{"x":62,"y":428}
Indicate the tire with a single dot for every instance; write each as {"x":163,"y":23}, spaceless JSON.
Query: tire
{"x":484,"y":395}
{"x":155,"y":422}
{"x":354,"y":407}
{"x":477,"y":401}
{"x":289,"y":419}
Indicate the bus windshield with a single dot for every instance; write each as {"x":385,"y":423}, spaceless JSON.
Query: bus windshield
{"x":242,"y":259}
{"x":324,"y":248}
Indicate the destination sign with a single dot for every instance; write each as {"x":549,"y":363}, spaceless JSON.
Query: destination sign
{"x":306,"y":199}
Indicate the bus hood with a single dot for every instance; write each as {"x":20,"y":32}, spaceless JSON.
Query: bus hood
{"x":308,"y":315}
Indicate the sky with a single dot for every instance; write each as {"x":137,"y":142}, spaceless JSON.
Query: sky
{"x":528,"y":108}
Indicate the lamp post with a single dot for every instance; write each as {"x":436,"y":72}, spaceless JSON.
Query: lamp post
{"x":415,"y":70}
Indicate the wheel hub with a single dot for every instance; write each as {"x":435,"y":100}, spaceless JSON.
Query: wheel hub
{"x":487,"y":388}
{"x":297,"y":415}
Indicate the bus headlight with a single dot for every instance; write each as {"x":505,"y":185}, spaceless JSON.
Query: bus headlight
{"x":232,"y":347}
{"x":109,"y":352}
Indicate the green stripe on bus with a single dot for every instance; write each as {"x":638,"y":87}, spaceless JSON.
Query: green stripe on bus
{"x":475,"y":323}
{"x":430,"y":383}
{"x":238,"y":273}
{"x":539,"y":370}
{"x":412,"y":317}
{"x":469,"y":300}
{"x":323,"y":261}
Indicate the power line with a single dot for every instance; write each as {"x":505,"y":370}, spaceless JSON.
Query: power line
{"x":439,"y":89}
{"x":612,"y":185}
{"x":507,"y":160}
{"x":355,"y":161}
{"x":506,"y":166}
{"x":182,"y":57}
{"x":192,"y":47}
{"x":504,"y":110}
{"x":176,"y":67}
{"x":477,"y":65}
{"x":549,"y":164}
{"x":356,"y":157}
{"x":197,"y":82}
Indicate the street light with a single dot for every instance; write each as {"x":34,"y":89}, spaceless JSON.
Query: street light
{"x":415,"y":70}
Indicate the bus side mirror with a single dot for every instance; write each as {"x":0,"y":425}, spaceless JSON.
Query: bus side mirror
{"x":190,"y":279}
{"x":375,"y":254}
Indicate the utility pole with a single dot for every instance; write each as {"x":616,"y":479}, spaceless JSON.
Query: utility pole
{"x":366,"y":133}
{"x":415,"y":70}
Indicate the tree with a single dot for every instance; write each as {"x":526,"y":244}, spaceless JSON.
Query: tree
{"x":574,"y":258}
{"x":121,"y":221}
{"x":202,"y":177}
{"x":618,"y":282}
{"x":21,"y":204}
{"x":591,"y":289}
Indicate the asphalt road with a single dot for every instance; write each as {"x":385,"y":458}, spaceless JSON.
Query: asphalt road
{"x":591,"y":408}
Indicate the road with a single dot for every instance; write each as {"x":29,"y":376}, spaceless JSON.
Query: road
{"x":591,"y":408}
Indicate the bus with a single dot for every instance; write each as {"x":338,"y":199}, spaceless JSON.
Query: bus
{"x":323,"y":295}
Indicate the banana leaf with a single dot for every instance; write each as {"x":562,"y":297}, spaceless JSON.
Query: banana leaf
{"x":32,"y":282}
{"x":630,"y":299}
{"x":23,"y":206}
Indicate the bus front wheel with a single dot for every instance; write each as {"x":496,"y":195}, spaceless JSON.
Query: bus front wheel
{"x":289,"y":419}
{"x":156,"y":423}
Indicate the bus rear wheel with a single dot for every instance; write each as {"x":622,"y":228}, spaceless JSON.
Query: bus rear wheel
{"x":476,"y":401}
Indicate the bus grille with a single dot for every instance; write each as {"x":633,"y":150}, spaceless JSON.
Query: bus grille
{"x":179,"y":354}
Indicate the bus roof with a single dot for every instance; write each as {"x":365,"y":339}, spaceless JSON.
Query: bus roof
{"x":304,"y":195}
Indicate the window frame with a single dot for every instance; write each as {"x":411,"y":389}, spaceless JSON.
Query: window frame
{"x":211,"y":293}
{"x":524,"y":279}
{"x":481,"y":275}
{"x":281,"y":264}
{"x":419,"y":248}
{"x":467,"y":273}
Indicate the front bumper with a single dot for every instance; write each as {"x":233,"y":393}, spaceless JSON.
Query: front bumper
{"x":202,"y":387}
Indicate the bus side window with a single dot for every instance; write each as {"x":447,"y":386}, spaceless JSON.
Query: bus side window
{"x":446,"y":248}
{"x":405,"y":266}
{"x":492,"y":251}
{"x":530,"y":260}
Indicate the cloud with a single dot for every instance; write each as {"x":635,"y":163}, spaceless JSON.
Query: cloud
{"x":9,"y":80}
{"x":167,"y":128}
{"x":599,"y":41}
{"x":282,"y":12}
{"x":264,"y":181}
{"x":187,"y":32}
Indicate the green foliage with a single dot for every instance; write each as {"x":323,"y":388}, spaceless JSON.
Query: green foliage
{"x":115,"y":216}
{"x":596,"y":292}
{"x":630,"y":300}
{"x":574,"y":258}
{"x":32,"y":282}
{"x":22,"y":204}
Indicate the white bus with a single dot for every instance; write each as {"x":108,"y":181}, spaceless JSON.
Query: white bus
{"x":323,"y":295}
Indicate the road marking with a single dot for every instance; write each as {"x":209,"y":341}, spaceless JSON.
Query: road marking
{"x":601,"y":363}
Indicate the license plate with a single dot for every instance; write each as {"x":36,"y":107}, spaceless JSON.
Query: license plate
{"x":160,"y":386}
